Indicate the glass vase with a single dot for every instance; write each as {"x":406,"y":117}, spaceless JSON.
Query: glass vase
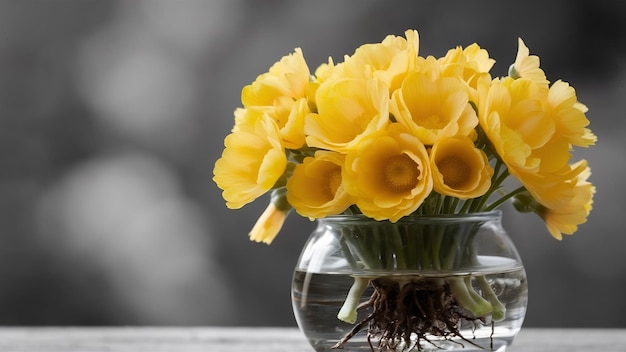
{"x":450,"y":282}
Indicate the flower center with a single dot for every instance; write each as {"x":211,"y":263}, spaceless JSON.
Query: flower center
{"x":432,"y":122}
{"x":401,"y":173}
{"x":334,"y":181}
{"x":455,"y":171}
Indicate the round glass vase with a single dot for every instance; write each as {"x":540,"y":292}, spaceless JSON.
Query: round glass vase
{"x":451,"y":282}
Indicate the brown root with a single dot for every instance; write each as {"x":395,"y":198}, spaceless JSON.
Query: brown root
{"x":419,"y":309}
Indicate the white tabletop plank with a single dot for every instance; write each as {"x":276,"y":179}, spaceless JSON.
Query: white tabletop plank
{"x":149,"y":339}
{"x":574,"y":340}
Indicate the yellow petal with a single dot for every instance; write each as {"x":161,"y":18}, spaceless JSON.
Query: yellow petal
{"x":268,"y":225}
{"x":527,"y":66}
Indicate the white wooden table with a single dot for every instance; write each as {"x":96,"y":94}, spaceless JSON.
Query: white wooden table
{"x":213,"y":339}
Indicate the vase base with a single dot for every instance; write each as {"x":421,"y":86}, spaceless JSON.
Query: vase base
{"x":360,"y":344}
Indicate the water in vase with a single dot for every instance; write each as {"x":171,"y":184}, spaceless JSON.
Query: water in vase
{"x":318,"y":297}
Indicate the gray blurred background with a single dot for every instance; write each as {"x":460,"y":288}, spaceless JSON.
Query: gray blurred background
{"x":112,"y":114}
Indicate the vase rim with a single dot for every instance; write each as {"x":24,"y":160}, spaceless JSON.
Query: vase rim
{"x":478,"y":216}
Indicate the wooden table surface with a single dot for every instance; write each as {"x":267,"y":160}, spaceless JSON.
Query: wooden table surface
{"x":213,"y":339}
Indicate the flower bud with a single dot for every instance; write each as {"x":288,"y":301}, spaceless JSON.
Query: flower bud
{"x":271,"y":221}
{"x":525,"y":203}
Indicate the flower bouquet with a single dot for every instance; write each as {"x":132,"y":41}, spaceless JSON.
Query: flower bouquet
{"x":388,"y":134}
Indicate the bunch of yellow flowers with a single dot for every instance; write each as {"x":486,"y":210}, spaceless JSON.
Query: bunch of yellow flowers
{"x":389,"y":133}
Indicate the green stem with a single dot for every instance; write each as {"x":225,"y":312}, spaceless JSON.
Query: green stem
{"x":498,"y":308}
{"x":410,"y":248}
{"x":452,"y":250}
{"x":363,"y":252}
{"x":466,"y":250}
{"x":425,"y":255}
{"x":466,"y":296}
{"x":438,"y":204}
{"x":436,"y":249}
{"x":346,"y":251}
{"x":454,"y":205}
{"x":348,"y":312}
{"x":388,"y":249}
{"x":397,"y":248}
{"x":504,"y":198}
{"x":497,"y":180}
{"x":466,"y":206}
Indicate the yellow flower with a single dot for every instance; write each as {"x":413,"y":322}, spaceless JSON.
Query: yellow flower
{"x":389,"y":61}
{"x":252,"y":161}
{"x":570,"y":129}
{"x":315,"y":189}
{"x":551,"y":189}
{"x":527,"y":66}
{"x":282,"y":94}
{"x":569,"y":115}
{"x":510,"y":113}
{"x":348,"y":110}
{"x":469,"y":63}
{"x":388,"y":174}
{"x":532,"y":128}
{"x":269,"y":224}
{"x":460,"y":169}
{"x":322,"y":74}
{"x":566,"y":218}
{"x":324,"y":71}
{"x":523,"y":135}
{"x":291,"y":121}
{"x":288,"y":77}
{"x":433,"y":109}
{"x":430,"y":67}
{"x":575,"y":199}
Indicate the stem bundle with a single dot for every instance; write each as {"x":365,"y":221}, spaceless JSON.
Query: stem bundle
{"x":430,"y":293}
